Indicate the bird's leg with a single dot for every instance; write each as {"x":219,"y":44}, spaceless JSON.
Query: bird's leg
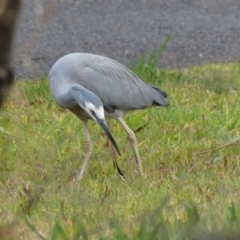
{"x":115,"y":164}
{"x":89,"y":147}
{"x":110,"y":145}
{"x":133,"y":140}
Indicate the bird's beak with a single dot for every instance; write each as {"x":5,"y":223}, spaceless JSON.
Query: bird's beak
{"x":104,"y":126}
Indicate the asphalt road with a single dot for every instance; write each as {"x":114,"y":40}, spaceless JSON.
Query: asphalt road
{"x":202,"y":31}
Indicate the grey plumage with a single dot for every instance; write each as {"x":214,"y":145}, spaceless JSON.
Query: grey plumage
{"x":78,"y":78}
{"x":106,"y":78}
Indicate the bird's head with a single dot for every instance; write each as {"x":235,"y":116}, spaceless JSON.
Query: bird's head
{"x":97,"y":114}
{"x":92,"y":104}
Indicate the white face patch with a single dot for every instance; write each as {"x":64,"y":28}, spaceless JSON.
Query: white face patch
{"x":98,"y":111}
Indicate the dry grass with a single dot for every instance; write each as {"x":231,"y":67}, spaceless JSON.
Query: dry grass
{"x":184,"y":193}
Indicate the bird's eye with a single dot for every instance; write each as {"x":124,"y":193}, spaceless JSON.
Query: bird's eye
{"x":93,"y":113}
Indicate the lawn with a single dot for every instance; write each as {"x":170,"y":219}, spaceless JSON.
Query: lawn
{"x":189,"y":150}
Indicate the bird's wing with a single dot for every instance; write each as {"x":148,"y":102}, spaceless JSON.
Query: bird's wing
{"x":118,"y":87}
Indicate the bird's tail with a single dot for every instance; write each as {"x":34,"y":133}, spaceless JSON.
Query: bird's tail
{"x":164,"y":94}
{"x":160,"y":99}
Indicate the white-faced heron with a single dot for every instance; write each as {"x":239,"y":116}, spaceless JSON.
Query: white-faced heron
{"x":93,"y":87}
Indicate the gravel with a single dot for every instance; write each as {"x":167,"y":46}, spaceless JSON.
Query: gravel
{"x":202,"y":31}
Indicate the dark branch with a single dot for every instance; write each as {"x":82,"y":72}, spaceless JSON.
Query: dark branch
{"x":9,"y":10}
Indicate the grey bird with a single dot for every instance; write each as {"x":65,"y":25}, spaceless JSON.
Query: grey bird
{"x":95,"y":87}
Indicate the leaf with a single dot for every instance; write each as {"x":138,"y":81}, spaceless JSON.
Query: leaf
{"x":3,"y":130}
{"x":32,"y":227}
{"x":58,"y":231}
{"x":80,"y":230}
{"x":140,"y":128}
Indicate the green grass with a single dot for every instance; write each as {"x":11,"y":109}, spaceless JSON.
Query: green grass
{"x":184,"y":195}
